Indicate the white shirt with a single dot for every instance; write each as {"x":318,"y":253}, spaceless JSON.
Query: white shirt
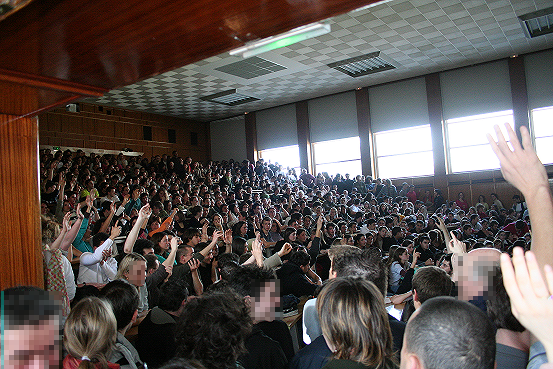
{"x":310,"y":321}
{"x":92,"y":270}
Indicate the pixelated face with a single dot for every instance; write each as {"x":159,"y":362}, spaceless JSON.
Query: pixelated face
{"x":137,"y":273}
{"x":32,"y":346}
{"x":266,"y":225}
{"x":265,"y":306}
{"x":473,"y":272}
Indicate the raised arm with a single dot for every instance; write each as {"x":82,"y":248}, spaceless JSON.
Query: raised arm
{"x":530,"y":295}
{"x":143,"y":215}
{"x":73,"y":230}
{"x":522,"y":168}
{"x":168,"y":263}
{"x":207,"y":249}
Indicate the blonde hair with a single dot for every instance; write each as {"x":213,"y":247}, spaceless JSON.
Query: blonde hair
{"x":91,"y":331}
{"x":354,"y":321}
{"x":126,"y":264}
{"x":50,"y":230}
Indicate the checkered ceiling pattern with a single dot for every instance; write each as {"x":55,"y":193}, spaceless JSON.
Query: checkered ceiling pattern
{"x":416,"y":36}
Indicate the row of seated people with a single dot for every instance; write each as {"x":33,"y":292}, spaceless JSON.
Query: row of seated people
{"x":155,"y":250}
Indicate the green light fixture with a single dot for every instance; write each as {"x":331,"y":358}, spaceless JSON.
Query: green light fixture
{"x":282,"y":40}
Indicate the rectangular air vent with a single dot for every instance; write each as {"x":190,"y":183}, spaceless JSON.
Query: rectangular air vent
{"x":362,"y":65}
{"x":251,"y":68}
{"x":537,"y":23}
{"x":230,"y":98}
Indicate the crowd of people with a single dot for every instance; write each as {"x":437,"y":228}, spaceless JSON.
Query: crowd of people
{"x":200,"y":261}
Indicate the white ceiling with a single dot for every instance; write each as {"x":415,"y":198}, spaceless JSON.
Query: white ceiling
{"x":417,"y":36}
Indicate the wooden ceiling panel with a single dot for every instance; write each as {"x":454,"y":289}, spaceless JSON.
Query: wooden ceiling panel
{"x":112,"y":43}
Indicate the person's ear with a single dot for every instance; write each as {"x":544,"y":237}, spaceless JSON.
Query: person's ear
{"x":248,"y":301}
{"x":412,"y":362}
{"x":415,"y":295}
{"x":135,"y":316}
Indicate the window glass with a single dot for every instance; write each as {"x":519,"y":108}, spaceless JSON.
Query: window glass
{"x":404,"y":152}
{"x":542,"y":126}
{"x":287,"y":156}
{"x":468,"y":148}
{"x":338,"y":156}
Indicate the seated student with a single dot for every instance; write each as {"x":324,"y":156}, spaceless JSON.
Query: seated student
{"x":213,"y":329}
{"x":294,"y":274}
{"x":30,"y":328}
{"x":156,"y":334}
{"x":99,"y":266}
{"x":269,"y":337}
{"x":428,"y":282}
{"x":89,"y":335}
{"x":123,"y":298}
{"x":355,"y":325}
{"x":435,"y":340}
{"x":368,"y":265}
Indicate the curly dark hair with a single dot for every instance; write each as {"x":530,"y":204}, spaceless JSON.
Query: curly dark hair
{"x":213,"y":329}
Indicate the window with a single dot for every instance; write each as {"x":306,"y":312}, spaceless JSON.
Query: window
{"x":543,"y":133}
{"x":404,"y":152}
{"x":287,"y":156}
{"x":338,"y":156}
{"x":468,"y":146}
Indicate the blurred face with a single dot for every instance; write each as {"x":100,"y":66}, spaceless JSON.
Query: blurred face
{"x":164,"y":243}
{"x":264,"y":306}
{"x":266,"y":225}
{"x":292,"y":236}
{"x":425,"y":244}
{"x":404,"y":257}
{"x":137,"y":273}
{"x":32,"y":346}
{"x":302,"y":236}
{"x":446,"y":265}
{"x":244,"y":229}
{"x":410,"y":248}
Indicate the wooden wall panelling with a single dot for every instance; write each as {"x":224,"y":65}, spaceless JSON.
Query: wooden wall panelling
{"x":133,"y":131}
{"x":159,"y":134}
{"x":20,"y":231}
{"x":105,"y":128}
{"x":53,"y":122}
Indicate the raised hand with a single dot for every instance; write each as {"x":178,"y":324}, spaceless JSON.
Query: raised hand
{"x":520,"y":166}
{"x":115,"y":230}
{"x":228,"y":236}
{"x":66,"y":226}
{"x":217,"y":235}
{"x":456,"y":246}
{"x":286,"y":249}
{"x":194,"y":264}
{"x":78,"y":211}
{"x":531,"y":301}
{"x":145,"y":212}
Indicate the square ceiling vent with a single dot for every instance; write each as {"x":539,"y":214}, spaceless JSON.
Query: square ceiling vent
{"x":537,"y":23}
{"x":251,"y":68}
{"x":230,"y":98}
{"x":362,"y":65}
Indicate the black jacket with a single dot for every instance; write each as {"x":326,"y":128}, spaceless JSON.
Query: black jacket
{"x":293,"y":281}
